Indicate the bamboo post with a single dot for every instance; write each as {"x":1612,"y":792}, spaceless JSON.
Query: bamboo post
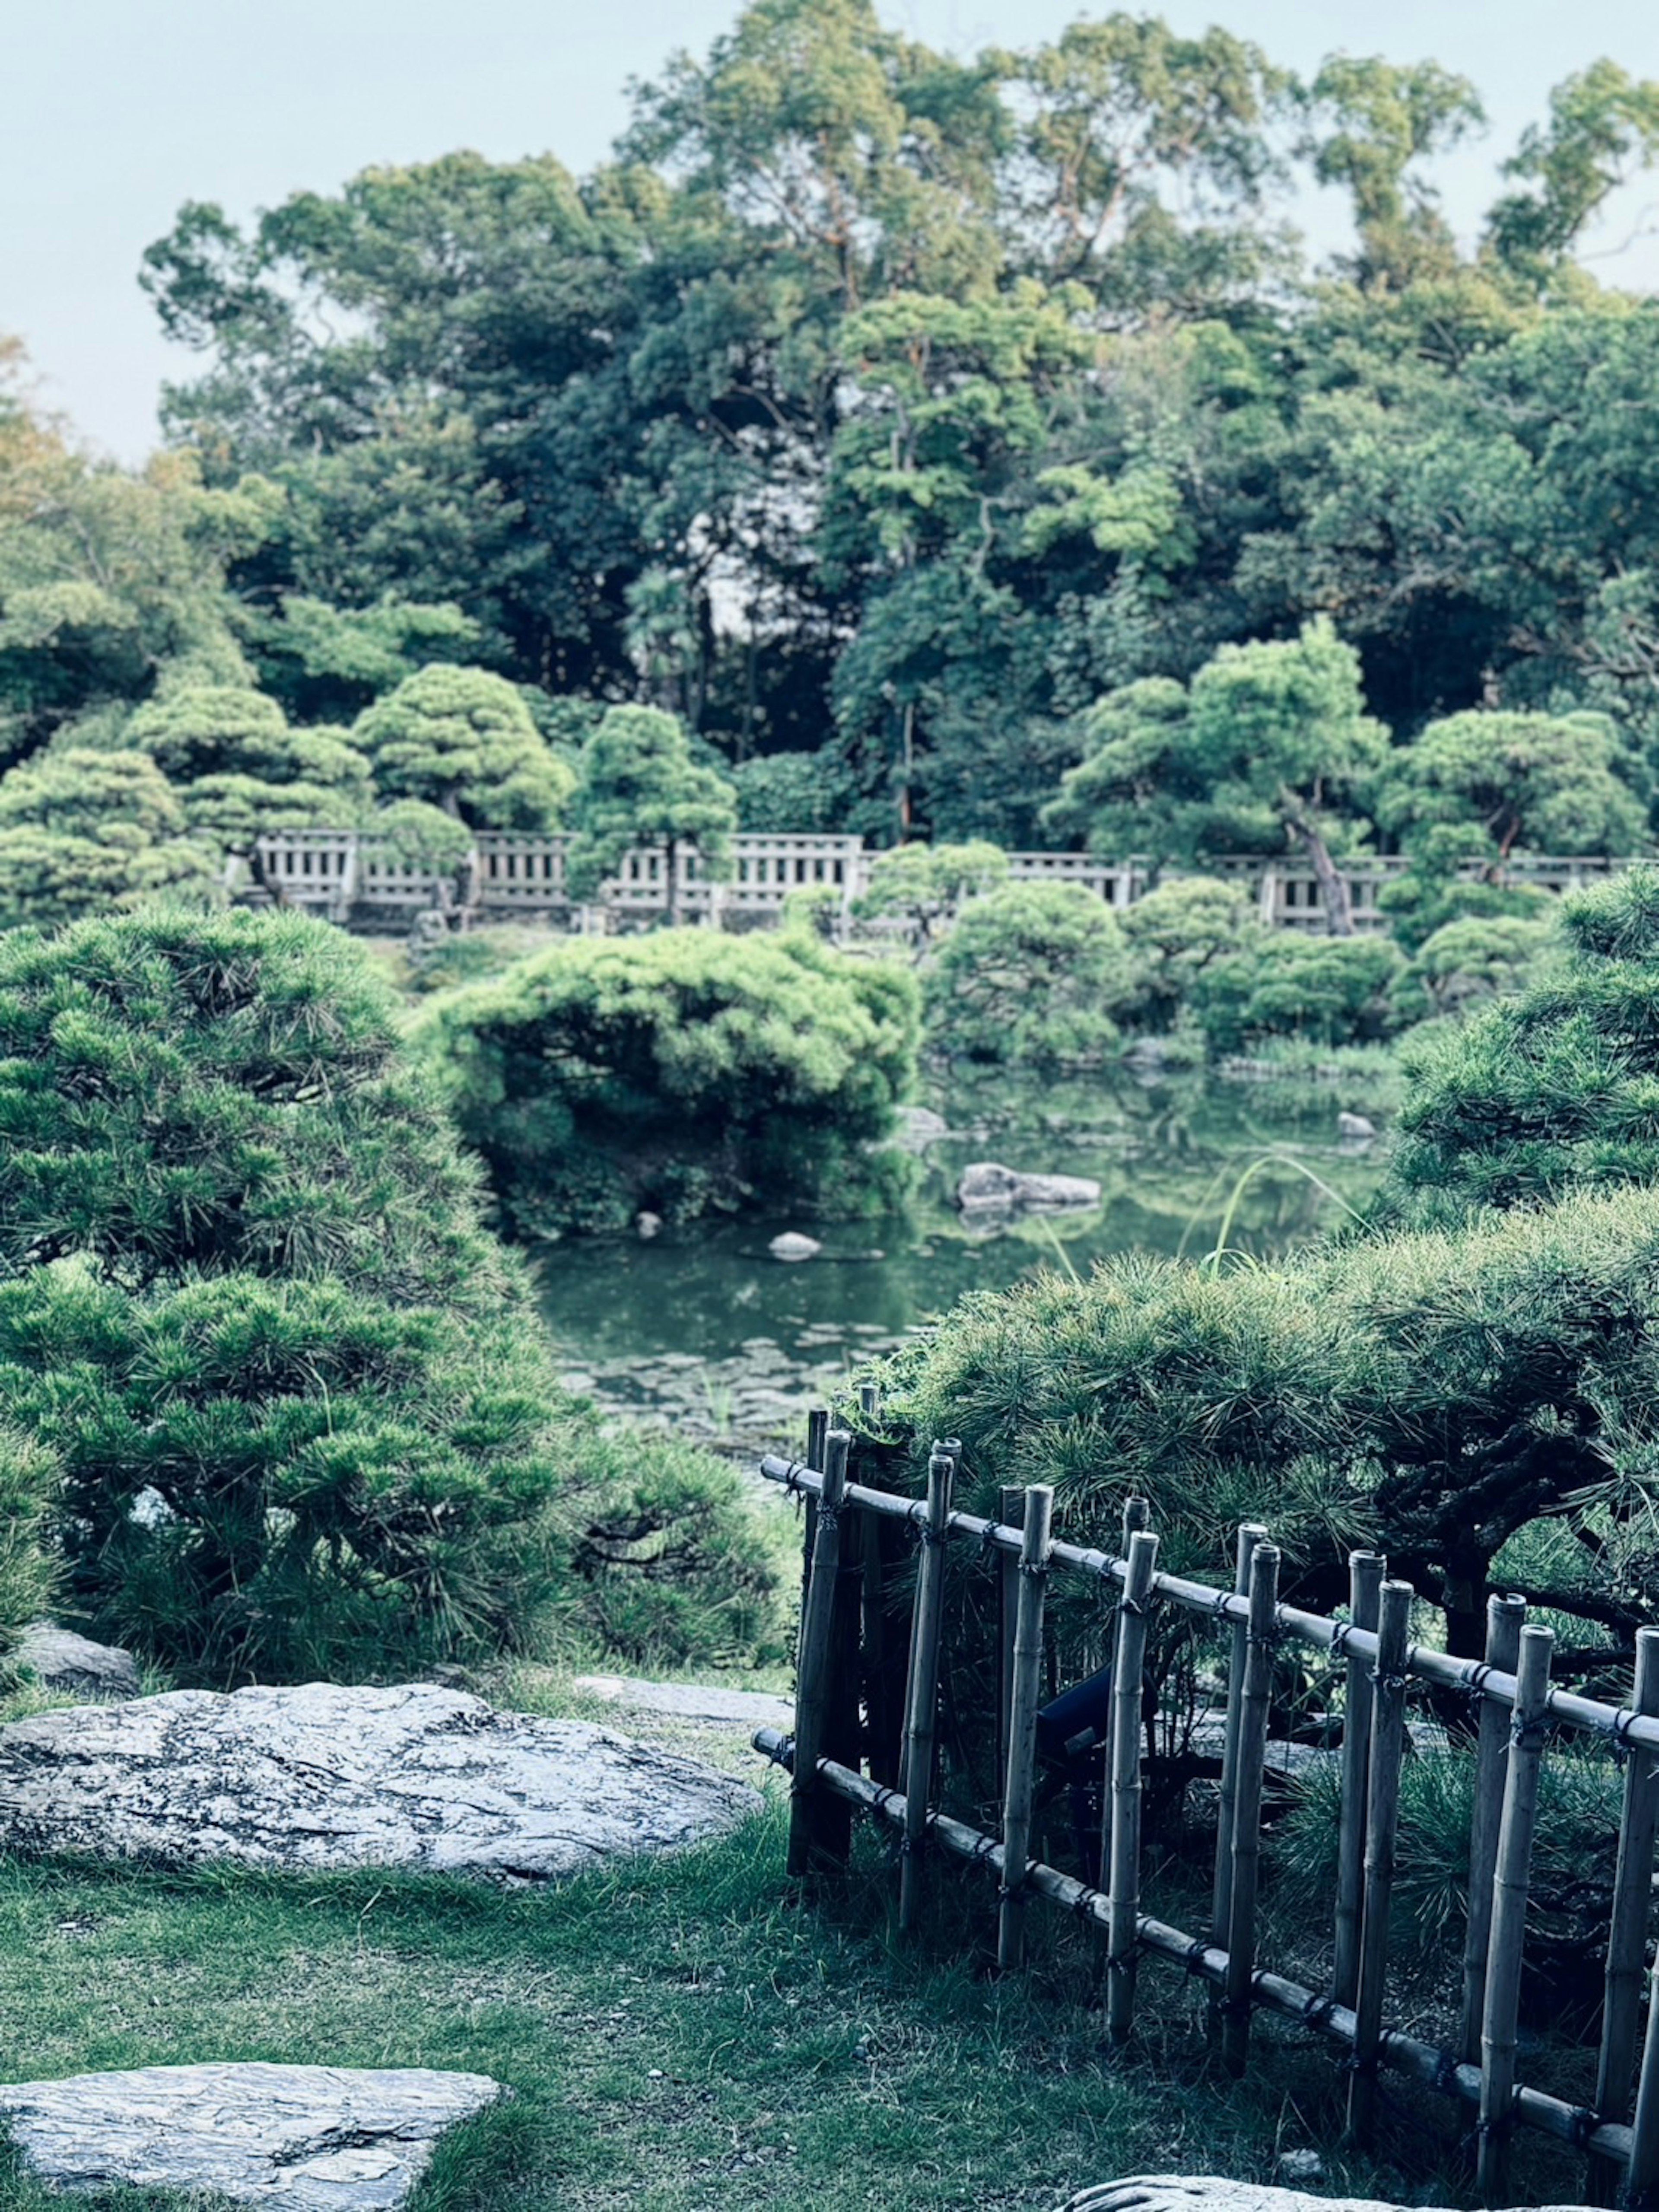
{"x":1124,"y":1890}
{"x":1011,"y":1508}
{"x":921,"y":1697}
{"x":1642,"y":2175}
{"x":817,"y":1427}
{"x":1136,"y":1516}
{"x":817,"y":1628}
{"x":1382,"y":1821}
{"x":1504,"y":1616}
{"x":1260,"y":1633}
{"x":1250,"y":1534}
{"x":1509,"y":1914}
{"x":1020,"y":1778}
{"x":1366,"y":1573}
{"x":1628,"y":1931}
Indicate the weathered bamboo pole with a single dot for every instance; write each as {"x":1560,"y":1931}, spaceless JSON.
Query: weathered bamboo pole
{"x":1504,"y":1616}
{"x":1261,"y":1634}
{"x":1128,"y":1668}
{"x":1641,"y":2173}
{"x":1382,"y":1821}
{"x":818,"y":1630}
{"x":874,"y":1660}
{"x":1366,"y":1573}
{"x":1250,"y":1534}
{"x":1136,"y":1516}
{"x":1010,"y":1505}
{"x":1627,"y":1933}
{"x":817,"y":1427}
{"x":1422,"y":2061}
{"x":1020,"y":1778}
{"x":1511,"y":1880}
{"x":921,"y":1697}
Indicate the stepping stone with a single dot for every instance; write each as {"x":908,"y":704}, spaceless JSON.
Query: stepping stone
{"x":691,"y":1701}
{"x":295,"y":2138}
{"x":319,"y":1776}
{"x":1170,"y":2192}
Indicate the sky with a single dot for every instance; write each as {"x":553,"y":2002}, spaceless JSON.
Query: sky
{"x":119,"y":110}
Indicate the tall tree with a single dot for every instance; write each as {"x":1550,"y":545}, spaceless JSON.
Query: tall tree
{"x":638,"y":785}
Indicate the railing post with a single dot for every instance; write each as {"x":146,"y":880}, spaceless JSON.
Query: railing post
{"x":1260,"y":1634}
{"x":1381,"y":1822}
{"x":1504,"y":1616}
{"x":1509,"y":1915}
{"x":1366,"y":1573}
{"x":1124,"y":1891}
{"x":1632,"y":1891}
{"x":921,"y":1699}
{"x":812,"y":1689}
{"x":1019,"y":1782}
{"x":1011,"y":1507}
{"x":1136,"y":1516}
{"x":817,"y":1428}
{"x":1250,"y":1534}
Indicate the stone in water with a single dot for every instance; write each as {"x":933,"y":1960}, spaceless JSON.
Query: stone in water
{"x":792,"y":1245}
{"x":988,"y":1187}
{"x":1354,"y":1126}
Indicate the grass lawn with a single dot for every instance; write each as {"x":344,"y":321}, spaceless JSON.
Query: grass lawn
{"x":679,"y":2034}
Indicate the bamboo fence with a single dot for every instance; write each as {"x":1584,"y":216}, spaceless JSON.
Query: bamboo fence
{"x":840,"y":1728}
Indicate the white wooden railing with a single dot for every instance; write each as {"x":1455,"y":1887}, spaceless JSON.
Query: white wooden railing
{"x":346,"y":875}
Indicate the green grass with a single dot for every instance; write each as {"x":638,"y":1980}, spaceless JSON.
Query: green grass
{"x":678,"y":2033}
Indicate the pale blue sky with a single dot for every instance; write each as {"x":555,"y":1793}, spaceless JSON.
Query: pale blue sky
{"x":119,"y":110}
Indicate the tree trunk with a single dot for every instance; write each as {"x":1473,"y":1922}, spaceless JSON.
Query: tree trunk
{"x":672,"y":865}
{"x":1339,"y":910}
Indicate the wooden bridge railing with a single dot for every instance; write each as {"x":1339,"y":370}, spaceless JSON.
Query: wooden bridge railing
{"x":342,"y":873}
{"x":856,"y":1594}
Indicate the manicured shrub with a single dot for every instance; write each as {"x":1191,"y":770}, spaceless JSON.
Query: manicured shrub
{"x":1029,"y":976}
{"x":462,"y":740}
{"x":83,"y":830}
{"x":1554,"y":1090}
{"x":639,"y":786}
{"x":1177,"y":932}
{"x":1466,"y":963}
{"x":1329,"y":990}
{"x":683,"y":1072}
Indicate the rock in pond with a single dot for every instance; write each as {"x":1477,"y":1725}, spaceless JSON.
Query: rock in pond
{"x":306,"y":2138}
{"x":58,"y":1659}
{"x":319,"y":1777}
{"x":918,"y":1128}
{"x":1171,"y":2192}
{"x":1355,"y":1127}
{"x":986,"y":1188}
{"x":792,"y":1245}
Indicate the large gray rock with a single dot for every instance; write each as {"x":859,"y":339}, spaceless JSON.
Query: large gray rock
{"x":295,"y":2138}
{"x":1170,"y":2192}
{"x":58,"y":1659}
{"x":321,"y":1776}
{"x":986,"y":1188}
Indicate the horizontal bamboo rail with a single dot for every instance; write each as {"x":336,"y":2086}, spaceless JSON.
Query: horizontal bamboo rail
{"x":1619,"y":1724}
{"x":1406,"y":2054}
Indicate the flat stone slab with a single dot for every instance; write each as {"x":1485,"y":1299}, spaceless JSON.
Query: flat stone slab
{"x":1170,"y":2192}
{"x":691,"y":1701}
{"x":58,"y":1659}
{"x":319,"y":1776}
{"x":295,"y":2138}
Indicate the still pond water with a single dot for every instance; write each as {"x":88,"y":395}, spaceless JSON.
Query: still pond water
{"x":703,"y":1331}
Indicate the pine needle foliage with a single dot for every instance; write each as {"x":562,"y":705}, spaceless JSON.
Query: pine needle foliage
{"x":1554,"y":1091}
{"x":289,"y":1405}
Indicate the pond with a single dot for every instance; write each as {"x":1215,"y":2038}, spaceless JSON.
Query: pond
{"x":703,"y":1332}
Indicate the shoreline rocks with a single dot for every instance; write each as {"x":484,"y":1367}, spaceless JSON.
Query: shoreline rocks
{"x":58,"y":1659}
{"x":986,"y":1186}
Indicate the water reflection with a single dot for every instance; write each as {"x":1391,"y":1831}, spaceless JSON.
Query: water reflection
{"x":703,"y":1331}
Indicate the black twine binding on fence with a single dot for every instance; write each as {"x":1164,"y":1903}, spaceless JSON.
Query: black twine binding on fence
{"x":1583,"y":2123}
{"x":1197,"y":1950}
{"x":1525,"y":1732}
{"x":1445,"y":2074}
{"x":792,"y":1479}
